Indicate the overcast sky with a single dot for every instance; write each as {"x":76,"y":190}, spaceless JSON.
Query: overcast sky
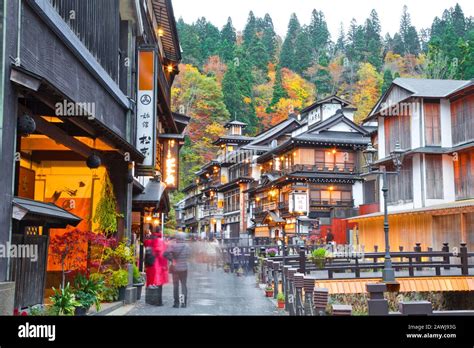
{"x":336,"y":11}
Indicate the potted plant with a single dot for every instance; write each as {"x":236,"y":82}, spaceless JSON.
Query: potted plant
{"x":226,"y":268}
{"x":119,"y":280}
{"x":269,"y":291}
{"x":318,"y":257}
{"x":271,"y":252}
{"x":87,"y":293}
{"x":281,"y":300}
{"x":240,"y":271}
{"x":64,"y":301}
{"x":138,"y":281}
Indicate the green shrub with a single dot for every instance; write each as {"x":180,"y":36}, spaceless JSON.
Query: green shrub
{"x":64,"y":301}
{"x":119,"y":278}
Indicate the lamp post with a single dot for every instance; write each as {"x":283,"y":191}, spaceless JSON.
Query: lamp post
{"x":388,"y":273}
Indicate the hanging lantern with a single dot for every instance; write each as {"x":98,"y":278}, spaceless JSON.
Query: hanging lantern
{"x":93,"y":161}
{"x":26,"y":125}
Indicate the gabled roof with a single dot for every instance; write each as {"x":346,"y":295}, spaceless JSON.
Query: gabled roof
{"x":332,"y":121}
{"x":235,"y":123}
{"x":429,"y":87}
{"x":238,"y":139}
{"x":326,"y":100}
{"x":275,"y":130}
{"x":411,"y":87}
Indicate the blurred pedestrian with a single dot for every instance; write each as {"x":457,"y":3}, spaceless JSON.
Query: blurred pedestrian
{"x":179,"y":254}
{"x":156,"y":264}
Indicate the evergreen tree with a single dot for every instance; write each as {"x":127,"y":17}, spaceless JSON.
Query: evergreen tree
{"x":387,"y":80}
{"x":278,"y":91}
{"x":228,"y":41}
{"x":189,"y":41}
{"x":269,"y":37}
{"x":250,"y":30}
{"x":458,"y":21}
{"x":341,"y":40}
{"x":373,"y":40}
{"x":323,"y":77}
{"x":408,"y":34}
{"x":288,"y":49}
{"x":355,"y":42}
{"x":303,"y":47}
{"x":318,"y":33}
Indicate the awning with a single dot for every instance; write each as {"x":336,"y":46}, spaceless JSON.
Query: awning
{"x":39,"y":213}
{"x":439,"y":209}
{"x":413,"y":284}
{"x":151,"y":195}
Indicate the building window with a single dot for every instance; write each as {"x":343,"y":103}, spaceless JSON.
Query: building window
{"x":432,"y":123}
{"x":397,"y":129}
{"x":370,"y":192}
{"x":434,"y":176}
{"x":462,"y":119}
{"x":464,"y":175}
{"x":331,"y":195}
{"x":232,"y":200}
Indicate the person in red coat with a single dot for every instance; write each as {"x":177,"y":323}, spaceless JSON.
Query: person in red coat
{"x":157,"y":273}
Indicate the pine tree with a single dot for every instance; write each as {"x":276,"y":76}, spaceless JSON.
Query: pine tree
{"x":228,"y":41}
{"x":189,"y":41}
{"x":387,"y":80}
{"x":318,"y":33}
{"x":373,"y":40}
{"x":250,"y":30}
{"x":303,"y":49}
{"x":278,"y":91}
{"x":459,"y":21}
{"x":408,"y":34}
{"x":269,"y":37}
{"x":341,"y":40}
{"x":355,"y":42}
{"x":288,"y":49}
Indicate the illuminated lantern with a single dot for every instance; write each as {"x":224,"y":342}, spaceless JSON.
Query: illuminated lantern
{"x":26,"y":125}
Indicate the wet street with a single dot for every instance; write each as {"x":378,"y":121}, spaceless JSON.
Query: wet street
{"x":212,"y":293}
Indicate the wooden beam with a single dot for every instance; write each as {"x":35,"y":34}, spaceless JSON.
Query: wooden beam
{"x":61,"y":137}
{"x":35,"y":143}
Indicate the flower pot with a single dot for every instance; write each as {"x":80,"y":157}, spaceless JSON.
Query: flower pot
{"x":281,"y":304}
{"x":121,"y":293}
{"x":139,"y":287}
{"x":80,"y":311}
{"x":269,"y":293}
{"x":320,"y":263}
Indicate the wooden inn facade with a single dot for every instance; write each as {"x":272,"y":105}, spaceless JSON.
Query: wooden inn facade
{"x":86,"y":95}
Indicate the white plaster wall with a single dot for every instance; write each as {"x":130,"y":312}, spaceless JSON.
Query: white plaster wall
{"x":417,"y":186}
{"x":381,"y":138}
{"x":329,"y":110}
{"x":358,"y":193}
{"x":415,"y":124}
{"x":446,"y":135}
{"x":341,"y":127}
{"x":448,"y":178}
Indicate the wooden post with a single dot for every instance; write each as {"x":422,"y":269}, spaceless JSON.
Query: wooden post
{"x":445,"y":249}
{"x":464,"y":259}
{"x":417,"y":249}
{"x":302,"y":260}
{"x":376,"y":249}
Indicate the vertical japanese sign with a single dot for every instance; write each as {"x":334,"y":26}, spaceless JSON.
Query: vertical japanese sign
{"x":146,"y":118}
{"x":298,"y":203}
{"x":170,"y":163}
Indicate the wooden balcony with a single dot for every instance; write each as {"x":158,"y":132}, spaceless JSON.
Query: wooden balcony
{"x":331,"y":202}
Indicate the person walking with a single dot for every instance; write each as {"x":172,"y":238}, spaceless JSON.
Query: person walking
{"x":179,"y":254}
{"x":156,"y":264}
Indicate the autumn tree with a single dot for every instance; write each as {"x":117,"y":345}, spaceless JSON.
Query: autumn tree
{"x":367,"y":92}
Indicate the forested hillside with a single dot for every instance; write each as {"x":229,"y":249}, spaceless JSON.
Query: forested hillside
{"x":254,"y":76}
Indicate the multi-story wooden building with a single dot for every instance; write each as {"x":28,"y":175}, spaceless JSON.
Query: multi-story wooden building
{"x":299,"y":175}
{"x":311,"y":179}
{"x":431,"y":201}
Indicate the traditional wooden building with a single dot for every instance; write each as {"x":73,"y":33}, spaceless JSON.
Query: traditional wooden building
{"x":431,"y":201}
{"x":311,"y":181}
{"x":86,"y":95}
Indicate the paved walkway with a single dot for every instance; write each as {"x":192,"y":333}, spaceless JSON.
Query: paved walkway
{"x":212,"y":293}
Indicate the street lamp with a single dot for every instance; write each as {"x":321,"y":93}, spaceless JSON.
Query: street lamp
{"x":397,"y":155}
